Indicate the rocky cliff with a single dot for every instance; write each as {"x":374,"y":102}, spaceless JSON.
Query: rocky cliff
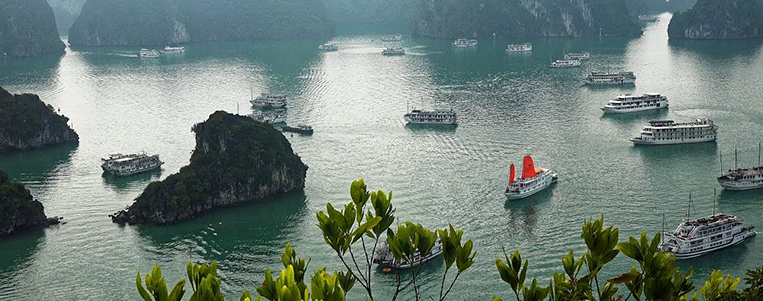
{"x":66,"y":11}
{"x":27,"y":123}
{"x":18,"y":210}
{"x":161,"y":22}
{"x":373,"y":12}
{"x":236,"y":160}
{"x":719,"y":19}
{"x":27,"y":29}
{"x":524,"y":18}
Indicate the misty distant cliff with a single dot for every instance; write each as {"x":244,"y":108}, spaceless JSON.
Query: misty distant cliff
{"x":373,"y":12}
{"x":719,"y":19}
{"x":28,"y":28}
{"x":66,"y":11}
{"x":524,"y":18}
{"x":160,"y":22}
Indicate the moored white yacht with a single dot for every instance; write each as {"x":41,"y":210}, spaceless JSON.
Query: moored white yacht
{"x":461,"y":43}
{"x":268,"y":101}
{"x":605,"y":78}
{"x":661,"y":132}
{"x":743,"y":178}
{"x":173,"y":50}
{"x":149,"y":53}
{"x":577,"y":56}
{"x":694,"y":238}
{"x":431,"y":117}
{"x":269,"y":117}
{"x":635,"y":103}
{"x":533,"y":180}
{"x":565,"y":63}
{"x":126,"y":165}
{"x":519,"y":47}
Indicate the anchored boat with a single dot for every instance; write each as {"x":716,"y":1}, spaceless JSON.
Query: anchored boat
{"x":300,"y":129}
{"x":533,"y":180}
{"x":694,"y":238}
{"x":631,"y":103}
{"x":386,"y":259}
{"x":519,"y":47}
{"x":269,"y":117}
{"x":661,"y":132}
{"x":743,"y":178}
{"x":431,"y":117}
{"x":606,"y":78}
{"x":268,"y":101}
{"x":565,"y":63}
{"x":127,"y":165}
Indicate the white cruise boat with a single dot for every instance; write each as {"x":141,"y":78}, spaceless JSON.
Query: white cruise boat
{"x":698,"y":237}
{"x":632,"y":103}
{"x":605,"y":78}
{"x":648,"y":18}
{"x":393,"y":51}
{"x":149,"y":53}
{"x":533,"y":180}
{"x":431,"y":117}
{"x":661,"y":132}
{"x":743,"y":178}
{"x":386,"y":259}
{"x":519,"y":47}
{"x":392,"y":38}
{"x":269,"y":117}
{"x":577,"y":56}
{"x":173,"y":50}
{"x":461,"y":43}
{"x":126,"y":165}
{"x":328,"y":47}
{"x":565,"y":63}
{"x":269,"y":101}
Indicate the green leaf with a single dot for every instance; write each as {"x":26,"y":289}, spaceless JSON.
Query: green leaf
{"x":623,"y":278}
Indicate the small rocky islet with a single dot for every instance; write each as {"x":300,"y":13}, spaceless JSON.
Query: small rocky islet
{"x":19,"y":210}
{"x":28,"y":123}
{"x":236,"y":161}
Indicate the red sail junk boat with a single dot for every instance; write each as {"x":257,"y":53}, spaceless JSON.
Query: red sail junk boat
{"x":533,"y":180}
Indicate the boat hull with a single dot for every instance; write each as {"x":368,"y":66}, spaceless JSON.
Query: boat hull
{"x":610,"y":83}
{"x":637,"y":141}
{"x":131,"y":172}
{"x":521,"y":195}
{"x":740,"y":185}
{"x":738,"y":239}
{"x":612,"y":110}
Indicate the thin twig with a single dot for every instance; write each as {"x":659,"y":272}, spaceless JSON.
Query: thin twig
{"x":451,"y":286}
{"x":442,"y":283}
{"x":368,"y":288}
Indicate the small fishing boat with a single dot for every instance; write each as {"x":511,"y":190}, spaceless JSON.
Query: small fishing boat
{"x":533,"y":180}
{"x":300,"y":129}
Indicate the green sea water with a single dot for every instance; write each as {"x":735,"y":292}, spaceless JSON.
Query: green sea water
{"x":509,"y":105}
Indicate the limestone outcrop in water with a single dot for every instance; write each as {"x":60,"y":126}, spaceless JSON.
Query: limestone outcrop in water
{"x":28,"y":29}
{"x":524,"y":18}
{"x":162,"y":22}
{"x":719,"y":20}
{"x":236,"y":160}
{"x":27,"y":123}
{"x":18,"y":210}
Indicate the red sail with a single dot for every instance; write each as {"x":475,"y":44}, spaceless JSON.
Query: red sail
{"x":511,"y":174}
{"x":528,"y":168}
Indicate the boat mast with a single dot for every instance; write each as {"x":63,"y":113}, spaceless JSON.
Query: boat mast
{"x":714,"y":189}
{"x":662,"y":235}
{"x":688,"y":212}
{"x":720,"y":157}
{"x":758,"y":154}
{"x":735,"y":158}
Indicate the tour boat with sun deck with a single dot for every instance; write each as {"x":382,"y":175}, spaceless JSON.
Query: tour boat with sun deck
{"x":743,"y":178}
{"x":635,"y":103}
{"x":694,"y":238}
{"x":533,"y":180}
{"x":660,"y":132}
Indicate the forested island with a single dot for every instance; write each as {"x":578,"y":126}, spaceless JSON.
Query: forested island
{"x":526,"y":18}
{"x":236,"y":160}
{"x":27,"y":123}
{"x":28,"y":29}
{"x":162,"y":22}
{"x":18,"y":210}
{"x":719,"y":20}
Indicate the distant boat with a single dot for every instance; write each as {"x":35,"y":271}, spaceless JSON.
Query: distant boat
{"x":431,"y":117}
{"x":565,"y":63}
{"x":533,"y":180}
{"x":577,"y":56}
{"x":519,"y":47}
{"x":126,"y":165}
{"x":661,"y":132}
{"x":391,"y":38}
{"x":694,"y":238}
{"x":393,"y":51}
{"x":648,"y":18}
{"x":173,"y":50}
{"x":632,"y":103}
{"x":269,"y":101}
{"x":328,"y":47}
{"x":606,"y":78}
{"x":743,"y":178}
{"x":462,"y":43}
{"x":269,"y":117}
{"x":300,"y":129}
{"x":149,"y":53}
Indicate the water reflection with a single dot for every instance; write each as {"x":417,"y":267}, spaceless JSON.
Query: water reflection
{"x":644,"y":115}
{"x":130,"y":182}
{"x":39,"y":164}
{"x":29,"y":75}
{"x":717,"y":49}
{"x":431,"y":128}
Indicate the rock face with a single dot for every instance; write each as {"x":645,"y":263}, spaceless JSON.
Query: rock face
{"x":27,"y":29}
{"x":373,"y":12}
{"x":236,"y":160}
{"x":162,"y":22}
{"x":18,"y":210}
{"x":66,"y":12}
{"x":719,"y":20}
{"x":27,"y":123}
{"x":524,"y":18}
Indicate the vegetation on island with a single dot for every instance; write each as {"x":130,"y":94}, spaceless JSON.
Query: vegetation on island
{"x":18,"y":210}
{"x":26,"y":122}
{"x":162,"y":22}
{"x":719,"y":19}
{"x":360,"y":225}
{"x":236,"y":160}
{"x":515,"y":18}
{"x":28,"y":29}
